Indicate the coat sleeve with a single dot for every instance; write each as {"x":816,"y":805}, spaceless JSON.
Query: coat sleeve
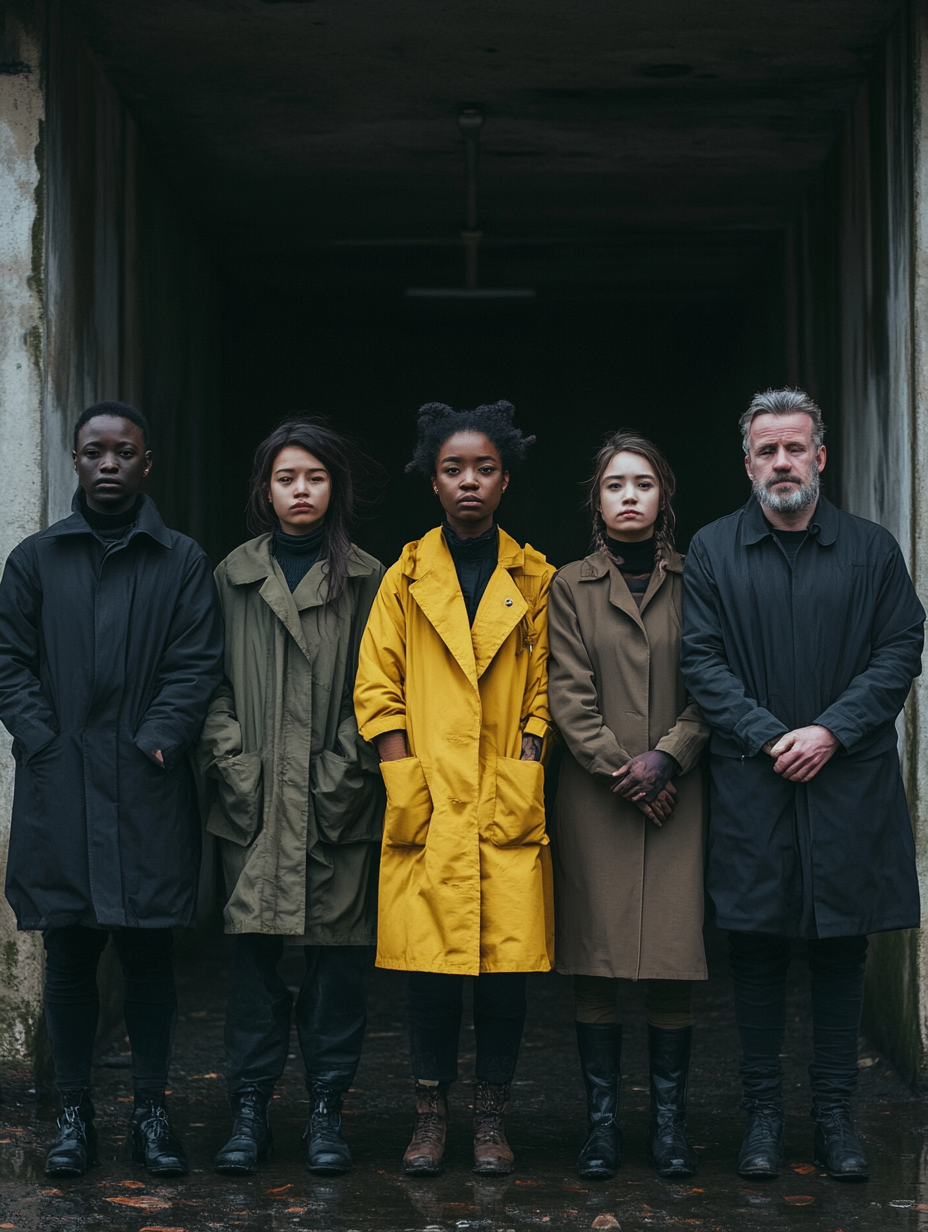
{"x":720,"y":694}
{"x":190,"y":667}
{"x":24,"y":708}
{"x":536,"y":717}
{"x":572,"y":689}
{"x":380,"y":687}
{"x":875,"y":697}
{"x":687,"y":738}
{"x":348,"y":736}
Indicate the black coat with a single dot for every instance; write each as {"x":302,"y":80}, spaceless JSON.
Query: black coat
{"x":834,"y":639}
{"x":108,"y":651}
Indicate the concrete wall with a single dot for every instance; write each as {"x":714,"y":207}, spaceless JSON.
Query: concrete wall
{"x":856,"y":319}
{"x":104,"y":293}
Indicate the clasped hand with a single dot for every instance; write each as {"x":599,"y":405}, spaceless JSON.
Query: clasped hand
{"x":800,"y":754}
{"x":645,"y":782}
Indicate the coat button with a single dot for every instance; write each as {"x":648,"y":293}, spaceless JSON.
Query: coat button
{"x":509,"y":603}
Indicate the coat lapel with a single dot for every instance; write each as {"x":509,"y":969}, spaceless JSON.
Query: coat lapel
{"x":436,"y":590}
{"x":276,"y":594}
{"x":500,"y":610}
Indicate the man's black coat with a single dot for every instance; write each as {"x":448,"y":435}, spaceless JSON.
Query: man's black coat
{"x":108,"y":651}
{"x":834,"y":639}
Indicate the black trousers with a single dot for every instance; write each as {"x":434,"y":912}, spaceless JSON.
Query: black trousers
{"x":435,"y":1006}
{"x":72,"y":1002}
{"x":758,"y":965}
{"x":331,"y":1013}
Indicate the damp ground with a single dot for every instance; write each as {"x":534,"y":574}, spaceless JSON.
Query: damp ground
{"x":545,"y":1122}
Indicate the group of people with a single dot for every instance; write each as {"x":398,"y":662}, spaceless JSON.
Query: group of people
{"x":372,"y":747}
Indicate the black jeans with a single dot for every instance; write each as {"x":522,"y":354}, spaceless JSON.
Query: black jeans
{"x":331,"y":1013}
{"x":435,"y":1005}
{"x":758,"y":966}
{"x":72,"y":1002}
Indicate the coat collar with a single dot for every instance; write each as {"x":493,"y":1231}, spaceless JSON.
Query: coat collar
{"x":254,"y":561}
{"x":149,"y":522}
{"x":434,"y":587}
{"x":598,"y":565}
{"x":754,"y":526}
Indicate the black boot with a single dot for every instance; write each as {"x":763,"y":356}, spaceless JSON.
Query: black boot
{"x":762,"y":1148}
{"x":326,"y":1150}
{"x":250,"y":1142}
{"x":668,"y":1149}
{"x":600,"y":1048}
{"x":75,"y":1147}
{"x":837,"y":1148}
{"x":154,"y":1143}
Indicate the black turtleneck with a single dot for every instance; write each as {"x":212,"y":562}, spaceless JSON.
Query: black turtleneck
{"x":474,"y":562}
{"x":109,"y":525}
{"x":296,"y":554}
{"x":636,"y":563}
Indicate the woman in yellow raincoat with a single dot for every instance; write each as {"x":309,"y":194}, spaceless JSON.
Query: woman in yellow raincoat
{"x":452,"y":690}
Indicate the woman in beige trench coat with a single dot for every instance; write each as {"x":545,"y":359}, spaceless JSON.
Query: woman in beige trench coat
{"x":628,"y":839}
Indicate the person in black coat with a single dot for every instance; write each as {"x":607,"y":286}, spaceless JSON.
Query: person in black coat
{"x":110,"y":650}
{"x":802,"y":636}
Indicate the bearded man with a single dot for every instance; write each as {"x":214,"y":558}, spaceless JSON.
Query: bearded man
{"x":802,"y":636}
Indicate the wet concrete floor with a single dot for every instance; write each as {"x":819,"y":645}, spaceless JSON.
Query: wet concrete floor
{"x":545,"y":1125}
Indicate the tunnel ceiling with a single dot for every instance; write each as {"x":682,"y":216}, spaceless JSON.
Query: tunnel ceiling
{"x":657,"y":142}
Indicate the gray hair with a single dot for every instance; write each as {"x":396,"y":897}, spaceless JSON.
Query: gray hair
{"x":782,"y":402}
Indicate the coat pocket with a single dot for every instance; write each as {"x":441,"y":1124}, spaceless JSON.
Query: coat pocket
{"x":236,"y":811}
{"x":409,"y":803}
{"x":348,"y":800}
{"x":519,"y":816}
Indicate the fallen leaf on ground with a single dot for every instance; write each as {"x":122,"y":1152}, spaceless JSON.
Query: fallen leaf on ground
{"x":605,"y":1221}
{"x":132,"y":1184}
{"x":145,"y":1202}
{"x":799,"y":1199}
{"x":803,"y":1168}
{"x":198,"y":1076}
{"x":50,"y":1193}
{"x":279,"y":1189}
{"x":529,"y":1182}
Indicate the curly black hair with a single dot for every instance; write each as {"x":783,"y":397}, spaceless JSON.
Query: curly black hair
{"x":437,"y":422}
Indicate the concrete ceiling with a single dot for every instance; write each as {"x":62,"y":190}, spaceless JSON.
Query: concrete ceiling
{"x":624,"y":142}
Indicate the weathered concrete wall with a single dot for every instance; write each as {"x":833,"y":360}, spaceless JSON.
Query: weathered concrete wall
{"x":104,"y":293}
{"x":856,"y":288}
{"x":23,"y":493}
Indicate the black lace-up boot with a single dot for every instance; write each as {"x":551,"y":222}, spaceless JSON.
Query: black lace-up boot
{"x":668,"y":1148}
{"x":762,"y":1148}
{"x":326,"y":1150}
{"x":251,"y":1141}
{"x":600,"y":1046}
{"x":154,"y":1143}
{"x":75,"y":1147}
{"x":837,"y":1148}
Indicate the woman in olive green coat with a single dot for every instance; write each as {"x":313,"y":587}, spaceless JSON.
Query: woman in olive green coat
{"x":296,"y":795}
{"x":628,"y":835}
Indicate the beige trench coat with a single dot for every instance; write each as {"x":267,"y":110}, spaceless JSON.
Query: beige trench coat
{"x":628,"y":894}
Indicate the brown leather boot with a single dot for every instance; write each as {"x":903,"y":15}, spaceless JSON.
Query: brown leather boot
{"x":492,"y":1153}
{"x":425,"y":1153}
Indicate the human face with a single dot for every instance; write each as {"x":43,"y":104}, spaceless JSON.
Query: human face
{"x":629,"y":497}
{"x":469,"y":481}
{"x":783,"y":463}
{"x":299,"y":491}
{"x":111,"y":461}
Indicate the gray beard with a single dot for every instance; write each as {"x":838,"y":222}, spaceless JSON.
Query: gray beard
{"x":804,"y":496}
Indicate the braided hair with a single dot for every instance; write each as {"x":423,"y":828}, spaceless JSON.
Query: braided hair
{"x":625,"y":441}
{"x":437,"y":422}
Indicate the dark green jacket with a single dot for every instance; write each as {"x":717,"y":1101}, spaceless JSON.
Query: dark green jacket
{"x":295,"y":794}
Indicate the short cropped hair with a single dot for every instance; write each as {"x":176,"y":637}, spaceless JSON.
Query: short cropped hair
{"x":782,"y":402}
{"x":117,"y":410}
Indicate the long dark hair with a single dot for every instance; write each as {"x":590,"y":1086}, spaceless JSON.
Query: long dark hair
{"x":625,"y":441}
{"x":335,"y":452}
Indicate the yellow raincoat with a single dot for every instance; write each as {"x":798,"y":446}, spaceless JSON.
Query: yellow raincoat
{"x":465,"y":874}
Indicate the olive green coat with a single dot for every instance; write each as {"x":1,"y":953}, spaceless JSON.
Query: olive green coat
{"x":628,"y":894}
{"x":296,"y":798}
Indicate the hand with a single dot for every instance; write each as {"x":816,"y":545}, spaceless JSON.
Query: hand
{"x":646,"y":776}
{"x":662,"y":807}
{"x":800,"y":754}
{"x":391,"y":746}
{"x":157,"y":757}
{"x":531,"y":748}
